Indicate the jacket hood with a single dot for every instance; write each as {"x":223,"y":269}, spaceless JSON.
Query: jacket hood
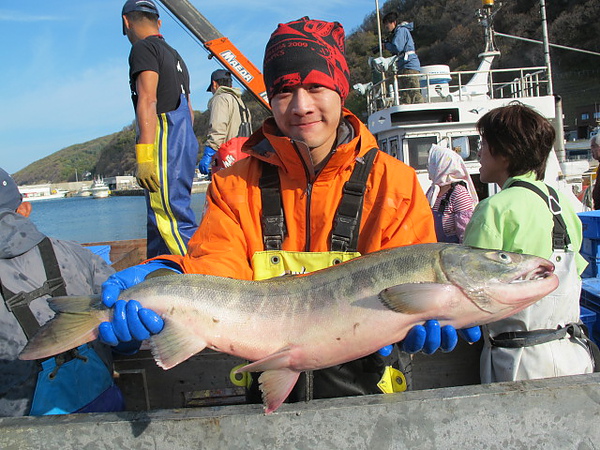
{"x":229,"y":90}
{"x":221,"y":90}
{"x":18,"y":234}
{"x":408,"y":25}
{"x":268,"y":143}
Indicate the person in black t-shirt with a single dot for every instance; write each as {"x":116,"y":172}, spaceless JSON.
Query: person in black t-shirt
{"x":166,"y":146}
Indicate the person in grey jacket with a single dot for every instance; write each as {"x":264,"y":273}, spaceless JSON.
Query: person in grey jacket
{"x":229,"y":118}
{"x":33,"y":268}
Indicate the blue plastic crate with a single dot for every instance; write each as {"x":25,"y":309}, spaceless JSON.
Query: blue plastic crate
{"x":588,"y":317}
{"x":591,"y":285}
{"x":101,"y":250}
{"x":590,"y":247}
{"x":590,"y":221}
{"x":590,"y":294}
{"x":593,"y":268}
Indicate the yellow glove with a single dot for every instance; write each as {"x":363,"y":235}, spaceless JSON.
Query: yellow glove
{"x":146,"y":170}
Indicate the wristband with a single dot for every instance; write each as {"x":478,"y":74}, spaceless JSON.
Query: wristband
{"x":144,"y":152}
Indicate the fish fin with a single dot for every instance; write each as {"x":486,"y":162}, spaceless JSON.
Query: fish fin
{"x":160,"y":273}
{"x":277,"y":360}
{"x":275,"y":386}
{"x":277,"y":380}
{"x":415,"y":298}
{"x":76,"y":322}
{"x":75,"y":304}
{"x":174,"y":344}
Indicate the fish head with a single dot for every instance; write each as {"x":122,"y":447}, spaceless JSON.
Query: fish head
{"x":498,"y":282}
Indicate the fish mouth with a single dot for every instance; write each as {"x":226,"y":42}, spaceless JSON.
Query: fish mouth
{"x":514,"y":292}
{"x":528,"y":286}
{"x":539,"y":273}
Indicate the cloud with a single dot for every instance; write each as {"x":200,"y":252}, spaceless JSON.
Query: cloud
{"x":19,"y":16}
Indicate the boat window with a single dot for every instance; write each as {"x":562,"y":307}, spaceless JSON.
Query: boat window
{"x":466,"y":146}
{"x":383,"y":145}
{"x":394,"y":149}
{"x":418,"y":150}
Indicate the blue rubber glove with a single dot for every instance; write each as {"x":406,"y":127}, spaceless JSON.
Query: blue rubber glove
{"x":205,"y":161}
{"x":430,"y":337}
{"x":470,"y":335}
{"x":385,"y":351}
{"x":131,"y":323}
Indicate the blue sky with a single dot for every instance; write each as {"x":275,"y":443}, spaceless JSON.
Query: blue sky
{"x":64,"y":67}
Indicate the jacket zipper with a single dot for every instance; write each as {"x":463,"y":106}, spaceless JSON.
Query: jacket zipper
{"x":309,"y":185}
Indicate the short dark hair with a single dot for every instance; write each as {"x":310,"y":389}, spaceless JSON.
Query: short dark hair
{"x":138,"y":16}
{"x":390,"y":17}
{"x":520,"y":134}
{"x":224,"y":82}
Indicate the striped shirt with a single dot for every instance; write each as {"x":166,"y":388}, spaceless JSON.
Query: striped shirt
{"x":460,"y":203}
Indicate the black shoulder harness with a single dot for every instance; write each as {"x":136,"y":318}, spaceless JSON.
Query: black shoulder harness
{"x":54,"y":285}
{"x":560,"y":237}
{"x":344,"y":236}
{"x":444,"y":202}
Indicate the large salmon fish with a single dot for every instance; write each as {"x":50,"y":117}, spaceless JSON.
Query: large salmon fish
{"x":313,"y":321}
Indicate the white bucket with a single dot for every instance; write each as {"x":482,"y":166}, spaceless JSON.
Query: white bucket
{"x":439,"y":79}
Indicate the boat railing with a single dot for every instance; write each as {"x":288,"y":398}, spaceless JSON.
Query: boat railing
{"x":459,"y":86}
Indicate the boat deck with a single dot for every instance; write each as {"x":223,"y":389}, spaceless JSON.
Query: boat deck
{"x":550,"y":413}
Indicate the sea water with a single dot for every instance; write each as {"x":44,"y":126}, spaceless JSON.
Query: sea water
{"x":88,"y":219}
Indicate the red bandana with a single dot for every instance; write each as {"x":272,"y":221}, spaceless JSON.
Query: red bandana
{"x":306,"y":51}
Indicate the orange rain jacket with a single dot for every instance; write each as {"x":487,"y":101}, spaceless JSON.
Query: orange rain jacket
{"x":395,"y":210}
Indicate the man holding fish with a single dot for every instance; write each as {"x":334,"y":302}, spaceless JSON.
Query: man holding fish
{"x":314,"y":192}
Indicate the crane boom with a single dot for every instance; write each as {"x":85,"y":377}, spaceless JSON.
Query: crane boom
{"x":220,"y":47}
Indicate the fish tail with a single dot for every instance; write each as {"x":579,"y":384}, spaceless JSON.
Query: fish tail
{"x":75,"y":323}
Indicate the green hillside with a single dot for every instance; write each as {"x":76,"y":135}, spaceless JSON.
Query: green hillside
{"x":446,"y":32}
{"x":109,"y":155}
{"x":66,"y":164}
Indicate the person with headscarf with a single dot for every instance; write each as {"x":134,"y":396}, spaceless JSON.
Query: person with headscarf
{"x":452,"y":195}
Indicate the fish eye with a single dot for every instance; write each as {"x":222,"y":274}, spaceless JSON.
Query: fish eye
{"x":504,"y":257}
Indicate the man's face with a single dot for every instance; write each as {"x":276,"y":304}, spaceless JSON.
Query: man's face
{"x":309,"y":113}
{"x":390,"y":26}
{"x":595,"y":148}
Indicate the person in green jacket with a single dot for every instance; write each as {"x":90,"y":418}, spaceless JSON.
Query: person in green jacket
{"x":543,"y":340}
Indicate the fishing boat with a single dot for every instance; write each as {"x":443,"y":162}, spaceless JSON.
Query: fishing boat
{"x":32,"y":193}
{"x":453,"y":103}
{"x":32,"y":196}
{"x":100,"y":189}
{"x":84,"y":191}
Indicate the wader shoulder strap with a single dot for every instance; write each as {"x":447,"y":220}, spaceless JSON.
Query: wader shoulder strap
{"x":272,"y":220}
{"x":560,"y":237}
{"x":245,"y":129}
{"x":54,"y":285}
{"x":444,"y":202}
{"x":346,"y":224}
{"x":344,"y":236}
